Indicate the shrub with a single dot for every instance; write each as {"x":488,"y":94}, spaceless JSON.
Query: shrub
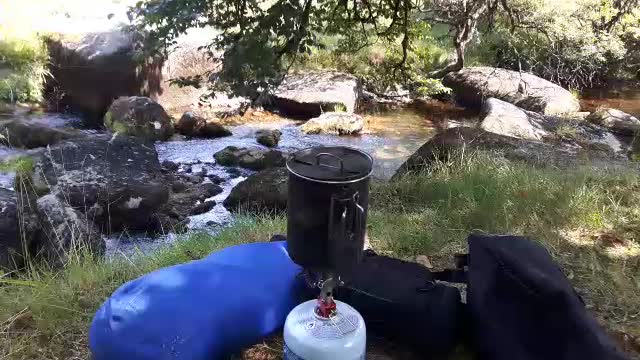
{"x":23,"y":68}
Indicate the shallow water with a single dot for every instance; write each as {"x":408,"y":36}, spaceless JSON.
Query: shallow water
{"x":623,"y":96}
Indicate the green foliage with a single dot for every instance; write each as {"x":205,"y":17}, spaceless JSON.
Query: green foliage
{"x":23,"y":68}
{"x":19,"y":165}
{"x":564,"y":42}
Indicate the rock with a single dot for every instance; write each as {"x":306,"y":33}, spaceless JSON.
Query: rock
{"x":337,"y":123}
{"x":194,"y":179}
{"x":178,"y":186}
{"x":307,"y":95}
{"x":118,"y":182}
{"x":253,"y":159}
{"x":215,"y":179}
{"x":268,"y":138}
{"x":170,"y":165}
{"x":139,"y":116}
{"x":214,"y":130}
{"x":193,"y":125}
{"x":10,"y":240}
{"x":536,"y":153}
{"x":615,"y":120}
{"x":184,"y":203}
{"x":23,"y":134}
{"x":65,"y":231}
{"x":473,"y":85}
{"x":263,"y":191}
{"x":203,"y":207}
{"x":91,"y":70}
{"x":503,"y":118}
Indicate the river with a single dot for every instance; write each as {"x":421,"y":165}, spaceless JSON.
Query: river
{"x":390,"y":138}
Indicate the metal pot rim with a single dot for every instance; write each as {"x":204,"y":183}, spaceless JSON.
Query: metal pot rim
{"x":332,"y":182}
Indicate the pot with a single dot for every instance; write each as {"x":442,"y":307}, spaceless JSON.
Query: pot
{"x":327,"y":207}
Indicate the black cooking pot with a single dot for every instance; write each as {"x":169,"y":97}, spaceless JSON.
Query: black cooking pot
{"x":327,"y":207}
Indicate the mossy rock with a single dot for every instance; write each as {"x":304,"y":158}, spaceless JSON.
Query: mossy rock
{"x":140,"y":117}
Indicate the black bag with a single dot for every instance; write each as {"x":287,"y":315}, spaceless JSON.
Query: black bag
{"x":521,"y":305}
{"x":401,"y":301}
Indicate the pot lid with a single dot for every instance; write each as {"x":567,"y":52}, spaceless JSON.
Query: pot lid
{"x":331,"y":163}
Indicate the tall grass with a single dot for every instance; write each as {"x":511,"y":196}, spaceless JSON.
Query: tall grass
{"x":45,"y":314}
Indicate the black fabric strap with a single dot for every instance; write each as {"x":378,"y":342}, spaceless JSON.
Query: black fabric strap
{"x":451,"y":275}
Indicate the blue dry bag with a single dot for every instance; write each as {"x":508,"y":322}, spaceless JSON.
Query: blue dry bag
{"x":205,"y":309}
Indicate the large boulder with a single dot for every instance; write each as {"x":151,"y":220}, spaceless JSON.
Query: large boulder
{"x":10,"y":242}
{"x":473,"y":85}
{"x":307,"y":95}
{"x":24,"y":134}
{"x":192,"y":125}
{"x":139,"y":116}
{"x":65,"y":231}
{"x":503,"y":118}
{"x":90,"y":70}
{"x":252,"y":159}
{"x":336,"y":123}
{"x":536,"y":153}
{"x":264,"y":191}
{"x":615,"y":120}
{"x":115,"y":181}
{"x":186,"y":197}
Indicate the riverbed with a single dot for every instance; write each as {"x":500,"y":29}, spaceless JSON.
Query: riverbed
{"x":390,"y":137}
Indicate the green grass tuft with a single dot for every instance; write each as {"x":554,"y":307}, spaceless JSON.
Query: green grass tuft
{"x":19,"y":165}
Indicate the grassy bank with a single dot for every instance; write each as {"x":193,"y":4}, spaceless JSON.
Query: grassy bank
{"x":590,"y":221}
{"x":23,"y":67}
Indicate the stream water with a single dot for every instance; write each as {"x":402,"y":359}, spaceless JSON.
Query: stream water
{"x":390,"y":138}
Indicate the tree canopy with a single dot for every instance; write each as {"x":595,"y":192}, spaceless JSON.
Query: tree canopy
{"x":260,"y":40}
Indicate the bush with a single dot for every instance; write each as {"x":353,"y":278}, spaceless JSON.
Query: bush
{"x":377,"y":64}
{"x":563,"y":43}
{"x":23,"y":68}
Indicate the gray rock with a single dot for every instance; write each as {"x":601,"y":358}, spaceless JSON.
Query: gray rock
{"x":473,"y":85}
{"x":65,"y":231}
{"x":90,"y":70}
{"x":203,"y":207}
{"x":170,"y":165}
{"x":184,"y":203}
{"x":616,"y":121}
{"x":139,"y":116}
{"x":268,"y":138}
{"x":503,"y":118}
{"x":307,"y":95}
{"x":22,"y":134}
{"x":118,"y":182}
{"x":10,"y":240}
{"x":263,"y":191}
{"x":192,"y":125}
{"x":253,"y":159}
{"x":512,"y":149}
{"x":337,"y":123}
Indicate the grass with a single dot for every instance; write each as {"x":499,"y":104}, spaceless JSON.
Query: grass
{"x":588,"y":220}
{"x":19,"y":165}
{"x":23,"y":68}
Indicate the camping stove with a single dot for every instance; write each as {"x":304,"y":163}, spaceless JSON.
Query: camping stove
{"x":327,"y":210}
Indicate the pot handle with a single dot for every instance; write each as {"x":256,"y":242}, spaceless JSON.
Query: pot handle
{"x":345,"y":229}
{"x":320,"y":155}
